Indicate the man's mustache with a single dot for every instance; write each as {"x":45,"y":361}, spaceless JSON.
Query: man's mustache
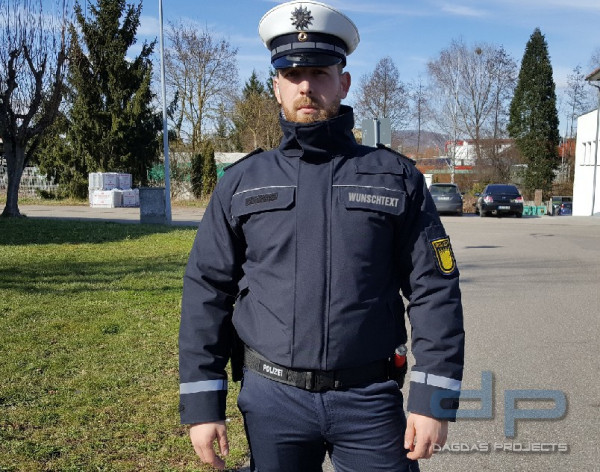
{"x":306,"y":102}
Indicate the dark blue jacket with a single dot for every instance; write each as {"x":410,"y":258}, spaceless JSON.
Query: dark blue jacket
{"x":313,"y":242}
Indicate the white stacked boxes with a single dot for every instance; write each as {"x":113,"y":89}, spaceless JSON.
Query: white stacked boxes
{"x":131,"y":198}
{"x":106,"y":198}
{"x":124,"y":181}
{"x":107,"y":180}
{"x":111,"y":190}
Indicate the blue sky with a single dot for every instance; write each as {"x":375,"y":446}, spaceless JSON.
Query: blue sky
{"x":410,"y":32}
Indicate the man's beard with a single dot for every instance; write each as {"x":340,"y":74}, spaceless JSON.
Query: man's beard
{"x":322,"y":113}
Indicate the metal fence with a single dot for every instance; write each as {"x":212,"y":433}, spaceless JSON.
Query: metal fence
{"x":32,"y":182}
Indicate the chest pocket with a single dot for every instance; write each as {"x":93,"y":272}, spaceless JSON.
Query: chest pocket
{"x":262,"y":199}
{"x":376,"y":188}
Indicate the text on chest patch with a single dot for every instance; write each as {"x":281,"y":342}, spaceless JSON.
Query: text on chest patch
{"x":267,"y":197}
{"x":373,"y":199}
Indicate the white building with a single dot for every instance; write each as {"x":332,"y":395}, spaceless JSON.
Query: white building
{"x":465,"y":151}
{"x":586,"y":192}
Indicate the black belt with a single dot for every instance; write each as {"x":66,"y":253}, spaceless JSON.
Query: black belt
{"x":317,"y":380}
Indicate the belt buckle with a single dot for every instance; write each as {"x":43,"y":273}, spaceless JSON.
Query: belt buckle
{"x":320,"y":381}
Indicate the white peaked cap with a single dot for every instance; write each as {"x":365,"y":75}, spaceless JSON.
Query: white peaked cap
{"x":307,"y":33}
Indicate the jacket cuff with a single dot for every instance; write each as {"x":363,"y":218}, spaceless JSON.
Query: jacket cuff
{"x":203,"y":407}
{"x":435,"y":402}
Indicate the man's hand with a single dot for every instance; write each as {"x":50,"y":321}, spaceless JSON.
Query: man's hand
{"x":203,"y":436}
{"x":428,"y":432}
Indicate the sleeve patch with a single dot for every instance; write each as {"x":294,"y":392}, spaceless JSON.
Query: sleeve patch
{"x":442,"y":250}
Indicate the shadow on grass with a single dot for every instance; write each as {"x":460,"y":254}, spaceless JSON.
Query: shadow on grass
{"x":25,"y":231}
{"x":74,"y":277}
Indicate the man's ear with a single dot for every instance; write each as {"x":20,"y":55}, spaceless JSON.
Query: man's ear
{"x":345,"y":81}
{"x":276,"y":89}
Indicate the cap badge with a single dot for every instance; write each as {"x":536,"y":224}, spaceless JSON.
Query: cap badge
{"x":301,"y":18}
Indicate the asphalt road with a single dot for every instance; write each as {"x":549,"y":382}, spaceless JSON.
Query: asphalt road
{"x":531,"y":295}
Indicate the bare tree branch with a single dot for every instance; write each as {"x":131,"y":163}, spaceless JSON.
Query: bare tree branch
{"x":32,"y":69}
{"x":203,"y":72}
{"x":382,"y":94}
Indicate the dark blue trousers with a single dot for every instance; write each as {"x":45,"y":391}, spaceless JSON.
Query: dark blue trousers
{"x":291,"y":430}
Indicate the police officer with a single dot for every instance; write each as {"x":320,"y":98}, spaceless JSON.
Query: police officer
{"x":299,"y":263}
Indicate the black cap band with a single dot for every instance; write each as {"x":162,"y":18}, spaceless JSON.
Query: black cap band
{"x":303,"y":49}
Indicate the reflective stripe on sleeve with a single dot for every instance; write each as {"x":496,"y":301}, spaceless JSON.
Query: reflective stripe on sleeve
{"x":435,"y":380}
{"x":202,"y":386}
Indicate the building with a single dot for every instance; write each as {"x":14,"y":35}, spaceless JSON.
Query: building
{"x":465,"y":150}
{"x":586,"y":197}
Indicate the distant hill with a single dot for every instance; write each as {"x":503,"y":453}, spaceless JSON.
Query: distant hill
{"x":410,"y":138}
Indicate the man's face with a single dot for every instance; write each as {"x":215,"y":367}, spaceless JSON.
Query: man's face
{"x":309,"y":94}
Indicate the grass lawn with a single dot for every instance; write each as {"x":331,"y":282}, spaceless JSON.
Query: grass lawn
{"x":89,"y":315}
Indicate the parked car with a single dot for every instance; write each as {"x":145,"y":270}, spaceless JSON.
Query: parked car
{"x":447,"y":198}
{"x":566,"y":208}
{"x":554,"y":205}
{"x":499,"y":199}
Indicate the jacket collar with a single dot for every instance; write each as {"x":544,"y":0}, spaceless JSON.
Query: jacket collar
{"x":333,"y":136}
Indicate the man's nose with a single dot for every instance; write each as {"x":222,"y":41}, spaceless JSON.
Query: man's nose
{"x":305,"y":86}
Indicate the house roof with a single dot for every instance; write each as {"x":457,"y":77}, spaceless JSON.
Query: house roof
{"x":594,"y":75}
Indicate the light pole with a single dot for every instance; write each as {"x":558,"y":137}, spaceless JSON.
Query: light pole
{"x":164,"y":112}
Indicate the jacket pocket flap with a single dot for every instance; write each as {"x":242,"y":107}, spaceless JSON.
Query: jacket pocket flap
{"x":393,"y":167}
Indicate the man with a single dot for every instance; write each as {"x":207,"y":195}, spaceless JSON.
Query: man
{"x":313,"y":243}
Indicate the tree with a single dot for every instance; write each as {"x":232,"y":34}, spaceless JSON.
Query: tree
{"x":112,"y":124}
{"x":33,"y":46}
{"x":253,"y":86}
{"x":381,"y":94}
{"x":203,"y":72}
{"x":472,"y":84}
{"x":533,"y":116}
{"x":209,"y":169}
{"x":224,"y":135}
{"x":196,"y":174}
{"x":595,"y":59}
{"x":580,"y":98}
{"x":55,"y":158}
{"x":504,"y":71}
{"x":256,"y":116}
{"x":419,"y":99}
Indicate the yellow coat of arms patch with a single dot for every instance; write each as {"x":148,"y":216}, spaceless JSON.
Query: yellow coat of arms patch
{"x":444,"y":255}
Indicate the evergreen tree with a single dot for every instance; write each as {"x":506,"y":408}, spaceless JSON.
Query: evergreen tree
{"x":209,"y":169}
{"x":253,"y":86}
{"x":112,"y":126}
{"x":55,"y":159}
{"x":196,"y":174}
{"x":533,"y":115}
